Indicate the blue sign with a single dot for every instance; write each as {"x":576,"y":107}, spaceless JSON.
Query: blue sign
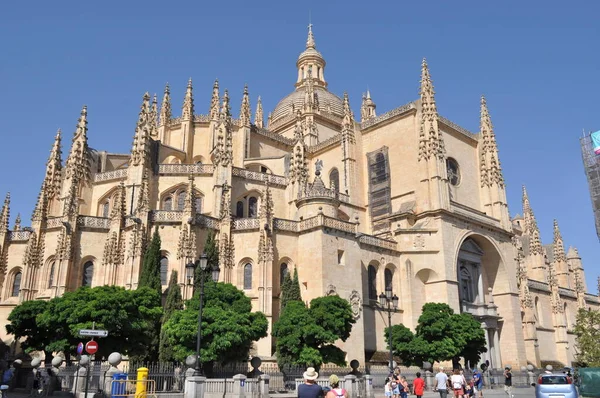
{"x":80,"y":348}
{"x":242,"y":382}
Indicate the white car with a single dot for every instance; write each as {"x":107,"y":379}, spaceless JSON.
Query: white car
{"x":555,"y":385}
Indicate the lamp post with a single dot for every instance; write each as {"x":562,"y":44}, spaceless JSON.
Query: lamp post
{"x":189,"y":270}
{"x":389,"y":300}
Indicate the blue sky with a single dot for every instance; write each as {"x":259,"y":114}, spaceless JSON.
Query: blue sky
{"x":536,"y":62}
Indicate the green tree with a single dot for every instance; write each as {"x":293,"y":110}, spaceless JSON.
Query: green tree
{"x":290,"y":289}
{"x":587,"y":333}
{"x":173,"y":303}
{"x":150,"y":275}
{"x":306,"y":336}
{"x":285,"y":290}
{"x":212,"y":253}
{"x":23,"y":324}
{"x":441,"y":335}
{"x":229,"y":327}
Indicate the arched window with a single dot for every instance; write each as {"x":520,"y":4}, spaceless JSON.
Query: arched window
{"x":164,"y":268}
{"x":372,"y":275}
{"x":105,"y":209}
{"x":283,"y":271}
{"x":334,"y":179}
{"x":16,"y":286}
{"x":453,"y":171}
{"x":379,"y":169}
{"x":180,"y":201}
{"x":198,"y":204}
{"x":88,"y":274}
{"x":466,"y":285}
{"x":168,"y":203}
{"x":389,"y":277}
{"x":248,"y":276}
{"x":239,"y":209}
{"x":252,"y":207}
{"x":51,"y":276}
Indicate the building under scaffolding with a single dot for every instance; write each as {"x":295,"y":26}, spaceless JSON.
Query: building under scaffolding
{"x":591,"y":163}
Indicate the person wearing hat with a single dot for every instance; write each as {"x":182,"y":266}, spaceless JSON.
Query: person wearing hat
{"x":336,"y":391}
{"x":310,"y":388}
{"x":508,"y":381}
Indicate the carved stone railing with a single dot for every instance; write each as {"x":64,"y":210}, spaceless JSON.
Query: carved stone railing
{"x":258,"y":176}
{"x":241,"y":224}
{"x":93,"y":222}
{"x":176,"y":121}
{"x":456,"y":127}
{"x":340,"y":225}
{"x":19,"y":236}
{"x":275,"y":137}
{"x":160,"y":216}
{"x":282,"y":120}
{"x":324,"y":144}
{"x":378,"y":242}
{"x":318,"y":190}
{"x":185,"y":169}
{"x":388,"y":115}
{"x":119,"y":174}
{"x":285,"y":225}
{"x":202,"y":118}
{"x":207,"y":222}
{"x":54,"y":222}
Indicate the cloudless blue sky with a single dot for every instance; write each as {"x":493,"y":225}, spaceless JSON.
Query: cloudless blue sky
{"x":536,"y":62}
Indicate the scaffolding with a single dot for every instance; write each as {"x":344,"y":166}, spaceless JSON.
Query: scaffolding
{"x":591,"y":164}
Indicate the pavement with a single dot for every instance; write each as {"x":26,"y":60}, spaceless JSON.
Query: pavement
{"x":487,"y":393}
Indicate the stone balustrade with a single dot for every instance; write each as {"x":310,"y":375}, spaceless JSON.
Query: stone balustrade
{"x":272,"y":179}
{"x":186,"y":169}
{"x":19,"y":236}
{"x":93,"y":222}
{"x":119,"y":174}
{"x":378,"y":242}
{"x":242,"y":224}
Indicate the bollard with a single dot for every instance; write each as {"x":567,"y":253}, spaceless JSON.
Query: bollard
{"x":239,"y":385}
{"x":350,"y":385}
{"x":141,"y":384}
{"x":264,"y":385}
{"x":369,"y":386}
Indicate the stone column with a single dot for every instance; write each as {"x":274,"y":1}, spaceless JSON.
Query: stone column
{"x":369,"y":386}
{"x":497,"y":357}
{"x":114,"y":360}
{"x":350,"y":385}
{"x":239,"y":386}
{"x":264,"y":385}
{"x":194,"y":387}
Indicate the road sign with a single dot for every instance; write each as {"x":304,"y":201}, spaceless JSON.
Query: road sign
{"x":79,"y":348}
{"x":94,"y":333}
{"x":91,"y":347}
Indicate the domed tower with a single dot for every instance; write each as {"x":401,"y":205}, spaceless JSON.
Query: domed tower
{"x":311,"y":62}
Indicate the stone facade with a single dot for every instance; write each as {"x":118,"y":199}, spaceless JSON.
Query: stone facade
{"x":406,"y":199}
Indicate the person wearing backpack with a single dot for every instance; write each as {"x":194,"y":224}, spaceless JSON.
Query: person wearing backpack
{"x":336,"y":391}
{"x":458,"y":383}
{"x":6,"y":379}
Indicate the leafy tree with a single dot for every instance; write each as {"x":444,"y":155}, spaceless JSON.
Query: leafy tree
{"x":173,"y":303}
{"x":306,"y":336}
{"x":587,"y":332}
{"x":150,"y":275}
{"x":295,"y":293}
{"x":229,"y":327}
{"x":212,"y":253}
{"x":128,"y":315}
{"x":285,"y":290}
{"x":23,"y":324}
{"x":290,"y":289}
{"x":441,"y":335}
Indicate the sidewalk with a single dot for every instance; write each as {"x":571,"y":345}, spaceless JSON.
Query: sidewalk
{"x":487,"y":393}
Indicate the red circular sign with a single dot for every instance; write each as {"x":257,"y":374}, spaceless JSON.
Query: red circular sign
{"x":91,"y":347}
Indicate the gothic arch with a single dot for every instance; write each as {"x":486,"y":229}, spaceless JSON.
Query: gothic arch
{"x":13,"y":282}
{"x":423,"y":287}
{"x":334,"y":179}
{"x":173,"y":195}
{"x":279,"y":270}
{"x":198,"y":159}
{"x":85,"y":274}
{"x":250,"y":203}
{"x":173,"y":159}
{"x":49,"y":277}
{"x":372,"y":276}
{"x":106,"y":203}
{"x":240,"y":271}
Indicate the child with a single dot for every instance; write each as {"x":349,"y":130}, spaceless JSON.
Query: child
{"x":418,"y":386}
{"x":403,"y":387}
{"x":388,"y":387}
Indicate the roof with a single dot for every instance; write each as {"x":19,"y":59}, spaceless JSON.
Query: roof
{"x":328,"y":102}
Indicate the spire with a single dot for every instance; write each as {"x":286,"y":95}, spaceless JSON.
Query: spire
{"x":5,"y":214}
{"x":309,"y":59}
{"x":119,"y":207}
{"x":214,"y":102}
{"x":189,"y":205}
{"x":531,"y":227}
{"x":258,"y":116}
{"x":490,"y":165}
{"x":140,"y":151}
{"x":53,"y":169}
{"x":17,"y":226}
{"x":558,"y":246}
{"x":367,"y":107}
{"x":188,"y":103}
{"x":573,"y":253}
{"x":154,"y":118}
{"x":245,"y":109}
{"x":225,"y":113}
{"x":223,"y":151}
{"x":143,"y":199}
{"x":165,"y":107}
{"x":41,"y":206}
{"x":78,"y":163}
{"x":348,"y":120}
{"x":310,"y":41}
{"x":431,"y":142}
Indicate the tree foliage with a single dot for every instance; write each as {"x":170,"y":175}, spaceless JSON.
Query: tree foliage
{"x":150,"y":275}
{"x":229,"y":327}
{"x":290,"y":289}
{"x":173,"y":303}
{"x":211,"y":249}
{"x":587,"y":332}
{"x":306,"y":336}
{"x":441,"y":335}
{"x":127,"y":315}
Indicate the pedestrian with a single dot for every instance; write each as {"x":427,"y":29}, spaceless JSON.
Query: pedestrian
{"x":396,"y":382}
{"x":418,"y":386}
{"x":477,"y":383}
{"x":508,"y":382}
{"x":336,"y":391}
{"x":310,"y":388}
{"x":388,"y":387}
{"x":404,"y":389}
{"x":458,"y":383}
{"x":6,"y":379}
{"x":441,"y":383}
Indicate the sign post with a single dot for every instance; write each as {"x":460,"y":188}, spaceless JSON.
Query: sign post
{"x":91,"y":347}
{"x":79,"y":348}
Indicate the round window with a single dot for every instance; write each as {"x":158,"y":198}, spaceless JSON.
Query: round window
{"x":453,"y":171}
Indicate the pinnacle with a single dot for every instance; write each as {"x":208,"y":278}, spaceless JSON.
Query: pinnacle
{"x":154,"y":99}
{"x":557,"y":235}
{"x":167,"y":89}
{"x":189,"y":85}
{"x":310,"y":41}
{"x":245,"y":89}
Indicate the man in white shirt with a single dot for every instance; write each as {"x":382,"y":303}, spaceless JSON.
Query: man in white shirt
{"x":441,"y":383}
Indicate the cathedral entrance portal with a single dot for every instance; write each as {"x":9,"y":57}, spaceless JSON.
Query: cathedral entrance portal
{"x":478,"y":268}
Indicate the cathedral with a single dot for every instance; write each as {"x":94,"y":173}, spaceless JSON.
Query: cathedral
{"x":405,"y":201}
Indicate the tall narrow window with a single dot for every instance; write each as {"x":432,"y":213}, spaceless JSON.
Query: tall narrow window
{"x":164,"y":268}
{"x":198,"y":204}
{"x":379,"y":183}
{"x":334,"y":179}
{"x":16,"y":286}
{"x":372,"y":276}
{"x":180,"y":201}
{"x":105,"y":209}
{"x":252,"y":207}
{"x":248,"y":276}
{"x":239,"y":209}
{"x":389,"y":278}
{"x":87,"y":274}
{"x":168,"y":204}
{"x":51,"y":276}
{"x":283,"y":271}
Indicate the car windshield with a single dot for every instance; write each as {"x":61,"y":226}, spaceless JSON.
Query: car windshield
{"x":554,"y":380}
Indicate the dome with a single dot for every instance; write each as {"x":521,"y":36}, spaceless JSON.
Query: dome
{"x":328,"y":102}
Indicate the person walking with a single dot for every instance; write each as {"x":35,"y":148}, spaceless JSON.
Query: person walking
{"x":477,"y":384}
{"x":508,"y":382}
{"x":458,"y":383}
{"x":418,"y":386}
{"x":336,"y":391}
{"x":396,"y":382}
{"x":310,"y":388}
{"x":441,"y":383}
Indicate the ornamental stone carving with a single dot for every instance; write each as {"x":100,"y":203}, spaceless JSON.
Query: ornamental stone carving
{"x":355,"y":303}
{"x":331,"y":290}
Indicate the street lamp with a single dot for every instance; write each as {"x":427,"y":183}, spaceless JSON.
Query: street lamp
{"x":389,"y":301}
{"x":189,"y":270}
